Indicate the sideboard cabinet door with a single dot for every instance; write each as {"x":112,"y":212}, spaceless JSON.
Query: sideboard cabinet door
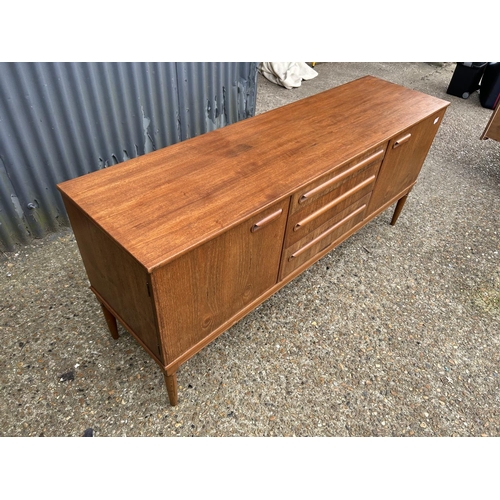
{"x":402,"y":163}
{"x":206,"y":287}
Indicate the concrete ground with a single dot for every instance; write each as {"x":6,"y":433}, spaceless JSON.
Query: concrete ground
{"x":394,"y":333}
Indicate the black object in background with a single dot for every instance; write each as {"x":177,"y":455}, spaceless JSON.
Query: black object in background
{"x":489,"y":93}
{"x":466,"y":78}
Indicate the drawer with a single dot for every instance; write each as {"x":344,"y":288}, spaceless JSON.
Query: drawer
{"x":336,"y":177}
{"x":353,"y":188}
{"x":323,"y":236}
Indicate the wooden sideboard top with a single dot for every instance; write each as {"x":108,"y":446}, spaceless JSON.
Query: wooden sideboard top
{"x":162,"y":204}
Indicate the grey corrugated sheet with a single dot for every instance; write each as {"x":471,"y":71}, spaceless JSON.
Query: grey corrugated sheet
{"x":62,"y":120}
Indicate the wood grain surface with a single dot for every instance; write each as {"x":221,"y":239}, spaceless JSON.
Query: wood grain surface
{"x":160,"y":205}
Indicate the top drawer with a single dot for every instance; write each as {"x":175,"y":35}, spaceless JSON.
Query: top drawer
{"x":340,"y":174}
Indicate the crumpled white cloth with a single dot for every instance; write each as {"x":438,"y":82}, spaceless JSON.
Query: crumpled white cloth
{"x":287,"y":74}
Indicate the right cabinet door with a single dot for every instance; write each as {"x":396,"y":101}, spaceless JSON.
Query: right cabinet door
{"x":402,"y":163}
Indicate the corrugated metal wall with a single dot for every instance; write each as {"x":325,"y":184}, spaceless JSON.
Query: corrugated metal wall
{"x":62,"y":120}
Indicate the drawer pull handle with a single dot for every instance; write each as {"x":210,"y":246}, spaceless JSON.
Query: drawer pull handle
{"x":266,"y":220}
{"x":342,"y":176}
{"x":326,"y":233}
{"x":401,"y":141}
{"x":336,"y":201}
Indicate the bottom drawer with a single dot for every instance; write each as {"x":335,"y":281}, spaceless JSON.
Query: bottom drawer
{"x":325,"y":235}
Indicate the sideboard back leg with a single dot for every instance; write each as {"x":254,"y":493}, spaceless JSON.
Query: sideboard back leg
{"x":398,"y":209}
{"x":111,"y":321}
{"x":171,"y":383}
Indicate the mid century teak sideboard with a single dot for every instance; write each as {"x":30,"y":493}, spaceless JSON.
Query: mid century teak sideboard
{"x":181,"y":243}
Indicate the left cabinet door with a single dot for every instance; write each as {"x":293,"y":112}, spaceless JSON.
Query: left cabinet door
{"x":203,"y":289}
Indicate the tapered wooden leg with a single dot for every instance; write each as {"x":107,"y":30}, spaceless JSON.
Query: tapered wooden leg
{"x":397,"y":211}
{"x":111,"y":321}
{"x":171,"y":383}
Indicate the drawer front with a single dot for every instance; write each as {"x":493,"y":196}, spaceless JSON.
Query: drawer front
{"x":323,"y":236}
{"x":336,"y":177}
{"x":317,"y":212}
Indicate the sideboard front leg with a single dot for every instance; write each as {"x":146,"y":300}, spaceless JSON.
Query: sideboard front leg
{"x":398,"y":209}
{"x":171,"y":383}
{"x":111,"y":321}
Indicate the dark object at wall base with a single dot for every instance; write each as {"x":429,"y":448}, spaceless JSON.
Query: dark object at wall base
{"x":489,"y":94}
{"x":466,"y":78}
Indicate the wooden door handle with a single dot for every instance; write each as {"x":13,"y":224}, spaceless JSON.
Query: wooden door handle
{"x":266,"y":220}
{"x":403,"y":139}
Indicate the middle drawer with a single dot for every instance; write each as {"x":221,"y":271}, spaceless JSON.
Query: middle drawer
{"x":326,"y":235}
{"x":350,"y":190}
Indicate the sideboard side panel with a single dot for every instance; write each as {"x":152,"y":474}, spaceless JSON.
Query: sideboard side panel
{"x":118,"y":278}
